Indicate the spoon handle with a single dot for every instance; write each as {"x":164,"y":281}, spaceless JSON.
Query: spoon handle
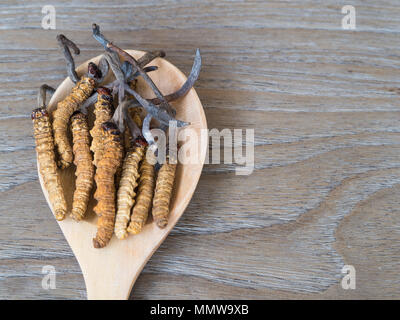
{"x":111,"y":285}
{"x":110,"y":272}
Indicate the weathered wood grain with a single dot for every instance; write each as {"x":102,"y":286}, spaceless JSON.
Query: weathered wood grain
{"x":324,"y":104}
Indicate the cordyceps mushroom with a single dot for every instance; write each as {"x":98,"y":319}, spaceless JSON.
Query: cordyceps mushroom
{"x":163,"y":113}
{"x":130,"y":174}
{"x":103,"y":111}
{"x":104,"y":177}
{"x":45,"y":152}
{"x":166,"y":174}
{"x":164,"y":182}
{"x":103,"y":100}
{"x":84,"y":165}
{"x":145,"y":189}
{"x":130,"y":170}
{"x":162,"y":193}
{"x":144,"y":197}
{"x":65,"y":108}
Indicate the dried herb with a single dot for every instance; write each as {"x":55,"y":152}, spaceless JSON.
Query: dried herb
{"x":162,"y":194}
{"x":84,"y":165}
{"x":144,"y":197}
{"x":194,"y":74}
{"x":130,"y":78}
{"x":126,"y":191}
{"x":104,"y":177}
{"x":109,"y":46}
{"x":81,"y":91}
{"x":103,"y":111}
{"x":45,"y":153}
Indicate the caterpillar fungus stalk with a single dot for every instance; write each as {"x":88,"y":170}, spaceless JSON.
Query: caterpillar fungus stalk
{"x":103,"y":110}
{"x":45,"y":153}
{"x":104,"y":177}
{"x":65,"y":108}
{"x":84,"y":165}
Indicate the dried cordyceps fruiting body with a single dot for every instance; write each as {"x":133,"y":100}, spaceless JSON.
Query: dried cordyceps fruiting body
{"x":103,"y":111}
{"x":144,"y":197}
{"x":126,"y":191}
{"x":46,"y":158}
{"x":104,"y":177}
{"x":84,"y":165}
{"x":162,"y":194}
{"x":81,"y":91}
{"x":62,"y":114}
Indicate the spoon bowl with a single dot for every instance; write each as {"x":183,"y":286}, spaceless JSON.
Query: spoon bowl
{"x":111,"y":272}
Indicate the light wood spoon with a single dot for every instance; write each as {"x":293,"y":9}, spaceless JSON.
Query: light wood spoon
{"x":110,"y":272}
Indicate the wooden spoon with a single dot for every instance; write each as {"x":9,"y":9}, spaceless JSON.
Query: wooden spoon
{"x":110,"y":272}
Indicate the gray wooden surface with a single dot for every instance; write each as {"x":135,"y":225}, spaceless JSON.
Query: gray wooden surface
{"x":324,"y":103}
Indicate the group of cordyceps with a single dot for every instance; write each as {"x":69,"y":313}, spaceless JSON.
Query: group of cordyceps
{"x":110,"y":154}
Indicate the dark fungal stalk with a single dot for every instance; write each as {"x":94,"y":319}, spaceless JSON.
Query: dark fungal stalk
{"x":182,"y":91}
{"x":43,"y":91}
{"x":163,"y":102}
{"x":65,"y":45}
{"x":109,"y":46}
{"x":127,"y":70}
{"x":96,"y":72}
{"x":193,"y":76}
{"x":160,"y":114}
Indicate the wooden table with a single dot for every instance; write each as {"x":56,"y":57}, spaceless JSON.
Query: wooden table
{"x":324,"y":103}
